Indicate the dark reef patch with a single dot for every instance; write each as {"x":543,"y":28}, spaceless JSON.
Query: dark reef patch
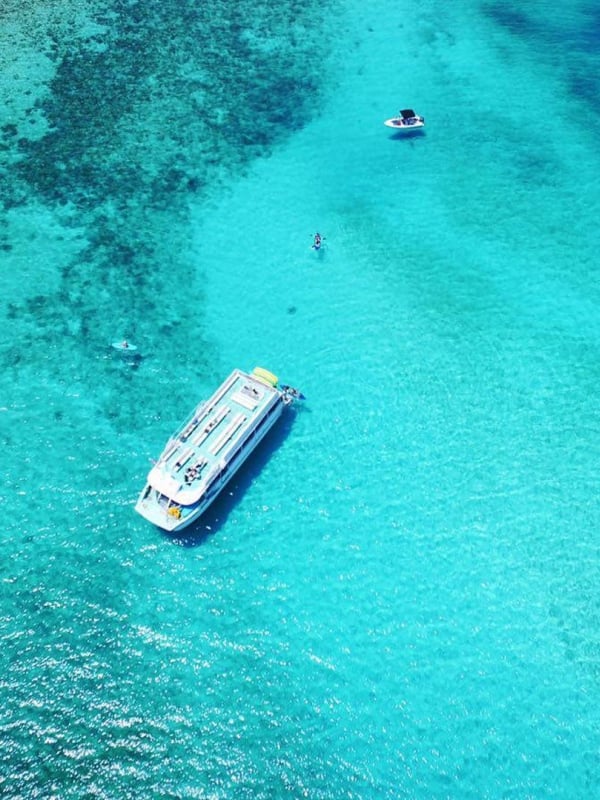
{"x":166,"y":100}
{"x":134,"y":120}
{"x":566,"y":46}
{"x":513,"y":19}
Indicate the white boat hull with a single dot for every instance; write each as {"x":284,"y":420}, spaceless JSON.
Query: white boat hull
{"x":208,"y":449}
{"x":400,"y":124}
{"x":158,"y":515}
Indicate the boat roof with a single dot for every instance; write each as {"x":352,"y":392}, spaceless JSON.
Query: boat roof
{"x":203,"y":445}
{"x":407,"y":113}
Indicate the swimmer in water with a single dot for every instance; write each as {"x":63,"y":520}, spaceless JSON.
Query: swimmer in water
{"x":318,"y":241}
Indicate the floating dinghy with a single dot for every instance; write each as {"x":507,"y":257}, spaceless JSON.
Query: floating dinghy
{"x":124,"y":346}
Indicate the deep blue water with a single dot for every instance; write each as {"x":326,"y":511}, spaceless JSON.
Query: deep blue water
{"x":398,"y":596}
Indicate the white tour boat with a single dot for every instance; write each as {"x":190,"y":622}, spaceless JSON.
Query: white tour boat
{"x":205,"y":452}
{"x":407,"y":120}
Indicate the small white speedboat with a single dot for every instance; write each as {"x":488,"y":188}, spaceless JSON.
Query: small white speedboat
{"x":407,"y":121}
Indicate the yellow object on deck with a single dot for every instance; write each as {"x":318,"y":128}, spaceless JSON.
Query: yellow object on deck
{"x":265,"y":376}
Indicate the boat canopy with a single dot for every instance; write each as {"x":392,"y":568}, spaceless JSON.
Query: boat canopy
{"x":407,"y":113}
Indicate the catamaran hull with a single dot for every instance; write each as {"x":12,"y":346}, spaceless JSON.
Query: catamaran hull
{"x":158,"y":514}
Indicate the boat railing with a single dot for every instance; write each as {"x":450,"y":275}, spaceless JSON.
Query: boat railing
{"x":184,"y":458}
{"x":211,"y":425}
{"x":227,"y":434}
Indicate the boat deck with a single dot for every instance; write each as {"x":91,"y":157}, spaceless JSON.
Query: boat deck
{"x":207,"y":440}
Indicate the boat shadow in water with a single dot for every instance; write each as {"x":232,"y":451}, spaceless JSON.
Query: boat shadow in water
{"x":217,"y":514}
{"x":407,"y":135}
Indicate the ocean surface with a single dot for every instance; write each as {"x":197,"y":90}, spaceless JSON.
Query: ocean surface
{"x":399,"y":595}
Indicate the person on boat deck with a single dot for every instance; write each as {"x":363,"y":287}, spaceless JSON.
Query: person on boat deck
{"x":124,"y":344}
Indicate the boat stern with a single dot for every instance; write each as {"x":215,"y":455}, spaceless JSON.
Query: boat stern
{"x":160,"y":511}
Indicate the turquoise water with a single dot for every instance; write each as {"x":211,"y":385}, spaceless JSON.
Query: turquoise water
{"x":398,"y":596}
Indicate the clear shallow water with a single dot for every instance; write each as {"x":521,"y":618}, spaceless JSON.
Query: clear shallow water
{"x":398,"y":598}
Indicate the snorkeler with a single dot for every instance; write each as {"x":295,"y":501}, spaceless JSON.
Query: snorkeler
{"x":318,"y":241}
